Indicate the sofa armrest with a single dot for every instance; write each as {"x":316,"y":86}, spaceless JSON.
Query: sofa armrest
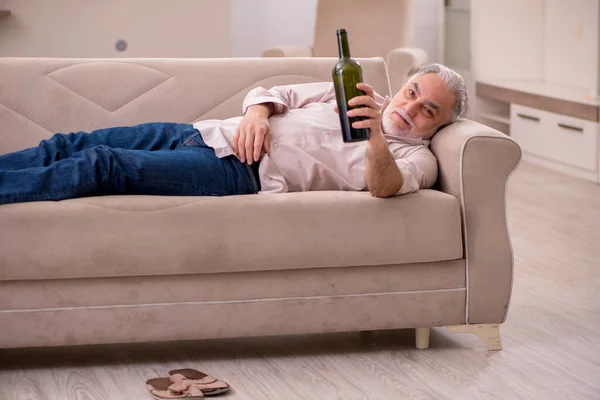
{"x":400,"y":62}
{"x":288,"y":51}
{"x":475,"y":163}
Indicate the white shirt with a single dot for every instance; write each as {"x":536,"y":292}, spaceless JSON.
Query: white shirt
{"x":307,"y":151}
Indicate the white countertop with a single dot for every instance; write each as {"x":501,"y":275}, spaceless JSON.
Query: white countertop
{"x":562,"y":92}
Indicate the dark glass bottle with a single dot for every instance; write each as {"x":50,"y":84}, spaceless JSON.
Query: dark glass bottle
{"x":346,"y":74}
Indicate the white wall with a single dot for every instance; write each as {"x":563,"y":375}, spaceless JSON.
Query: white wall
{"x":258,"y":25}
{"x":427,"y":28}
{"x":175,"y":28}
{"x":571,"y":29}
{"x":551,"y":41}
{"x":90,"y":28}
{"x":507,"y":39}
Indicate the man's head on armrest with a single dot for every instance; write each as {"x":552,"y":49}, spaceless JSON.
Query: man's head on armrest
{"x":433,"y":97}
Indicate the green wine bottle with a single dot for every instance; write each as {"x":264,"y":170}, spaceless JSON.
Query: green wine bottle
{"x":346,"y":74}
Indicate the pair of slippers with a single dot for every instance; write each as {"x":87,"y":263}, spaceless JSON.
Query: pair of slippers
{"x":185,"y":384}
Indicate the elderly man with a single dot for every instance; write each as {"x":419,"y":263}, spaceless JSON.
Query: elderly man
{"x":289,"y":139}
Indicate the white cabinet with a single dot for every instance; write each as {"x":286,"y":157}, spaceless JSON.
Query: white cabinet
{"x":536,"y":64}
{"x":555,"y":137}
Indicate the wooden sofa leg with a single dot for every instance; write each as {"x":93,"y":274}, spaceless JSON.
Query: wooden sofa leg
{"x":488,"y":333}
{"x":422,"y":338}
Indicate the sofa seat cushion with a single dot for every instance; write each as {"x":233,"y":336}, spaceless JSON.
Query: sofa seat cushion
{"x":114,"y":236}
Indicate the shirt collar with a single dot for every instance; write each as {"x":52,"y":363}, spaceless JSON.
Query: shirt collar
{"x":405,"y":140}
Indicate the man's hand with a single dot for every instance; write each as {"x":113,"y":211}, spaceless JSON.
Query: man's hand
{"x":383,"y":177}
{"x":369,"y":109}
{"x":253,"y":134}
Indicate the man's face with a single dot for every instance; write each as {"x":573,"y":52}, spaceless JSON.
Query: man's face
{"x":419,"y":109}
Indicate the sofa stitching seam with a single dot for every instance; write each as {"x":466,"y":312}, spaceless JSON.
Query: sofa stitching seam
{"x":26,"y":118}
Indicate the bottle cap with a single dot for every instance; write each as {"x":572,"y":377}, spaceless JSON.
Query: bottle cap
{"x":341,"y":31}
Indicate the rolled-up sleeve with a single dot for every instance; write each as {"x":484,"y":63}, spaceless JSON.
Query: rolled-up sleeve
{"x":419,"y":170}
{"x":290,"y":96}
{"x":261,"y":95}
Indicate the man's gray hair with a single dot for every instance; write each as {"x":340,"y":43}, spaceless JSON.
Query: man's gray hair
{"x":454,"y":82}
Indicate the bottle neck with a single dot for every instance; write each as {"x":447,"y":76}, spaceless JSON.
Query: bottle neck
{"x":343,"y":47}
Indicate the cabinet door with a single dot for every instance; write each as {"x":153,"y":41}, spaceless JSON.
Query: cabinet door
{"x":574,"y":141}
{"x":527,"y":128}
{"x":556,"y":137}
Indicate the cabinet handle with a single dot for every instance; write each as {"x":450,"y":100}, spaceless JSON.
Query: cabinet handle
{"x":529,"y":117}
{"x":570,"y":127}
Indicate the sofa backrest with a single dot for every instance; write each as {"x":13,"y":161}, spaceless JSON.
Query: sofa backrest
{"x":40,"y":97}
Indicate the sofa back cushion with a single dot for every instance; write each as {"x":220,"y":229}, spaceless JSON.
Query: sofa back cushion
{"x":40,"y":97}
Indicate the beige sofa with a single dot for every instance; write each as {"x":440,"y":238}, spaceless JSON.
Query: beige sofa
{"x":143,"y":268}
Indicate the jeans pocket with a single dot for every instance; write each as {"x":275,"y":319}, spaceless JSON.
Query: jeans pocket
{"x":193,"y":141}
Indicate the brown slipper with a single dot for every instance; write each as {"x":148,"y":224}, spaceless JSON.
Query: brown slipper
{"x":165,"y":388}
{"x":207,"y":384}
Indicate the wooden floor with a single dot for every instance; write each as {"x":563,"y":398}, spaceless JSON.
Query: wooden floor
{"x":551,"y":339}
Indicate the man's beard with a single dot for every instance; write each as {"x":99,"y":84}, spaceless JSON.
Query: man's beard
{"x":392,"y":128}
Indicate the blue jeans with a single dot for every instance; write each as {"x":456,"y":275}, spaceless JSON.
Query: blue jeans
{"x":152,"y":159}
